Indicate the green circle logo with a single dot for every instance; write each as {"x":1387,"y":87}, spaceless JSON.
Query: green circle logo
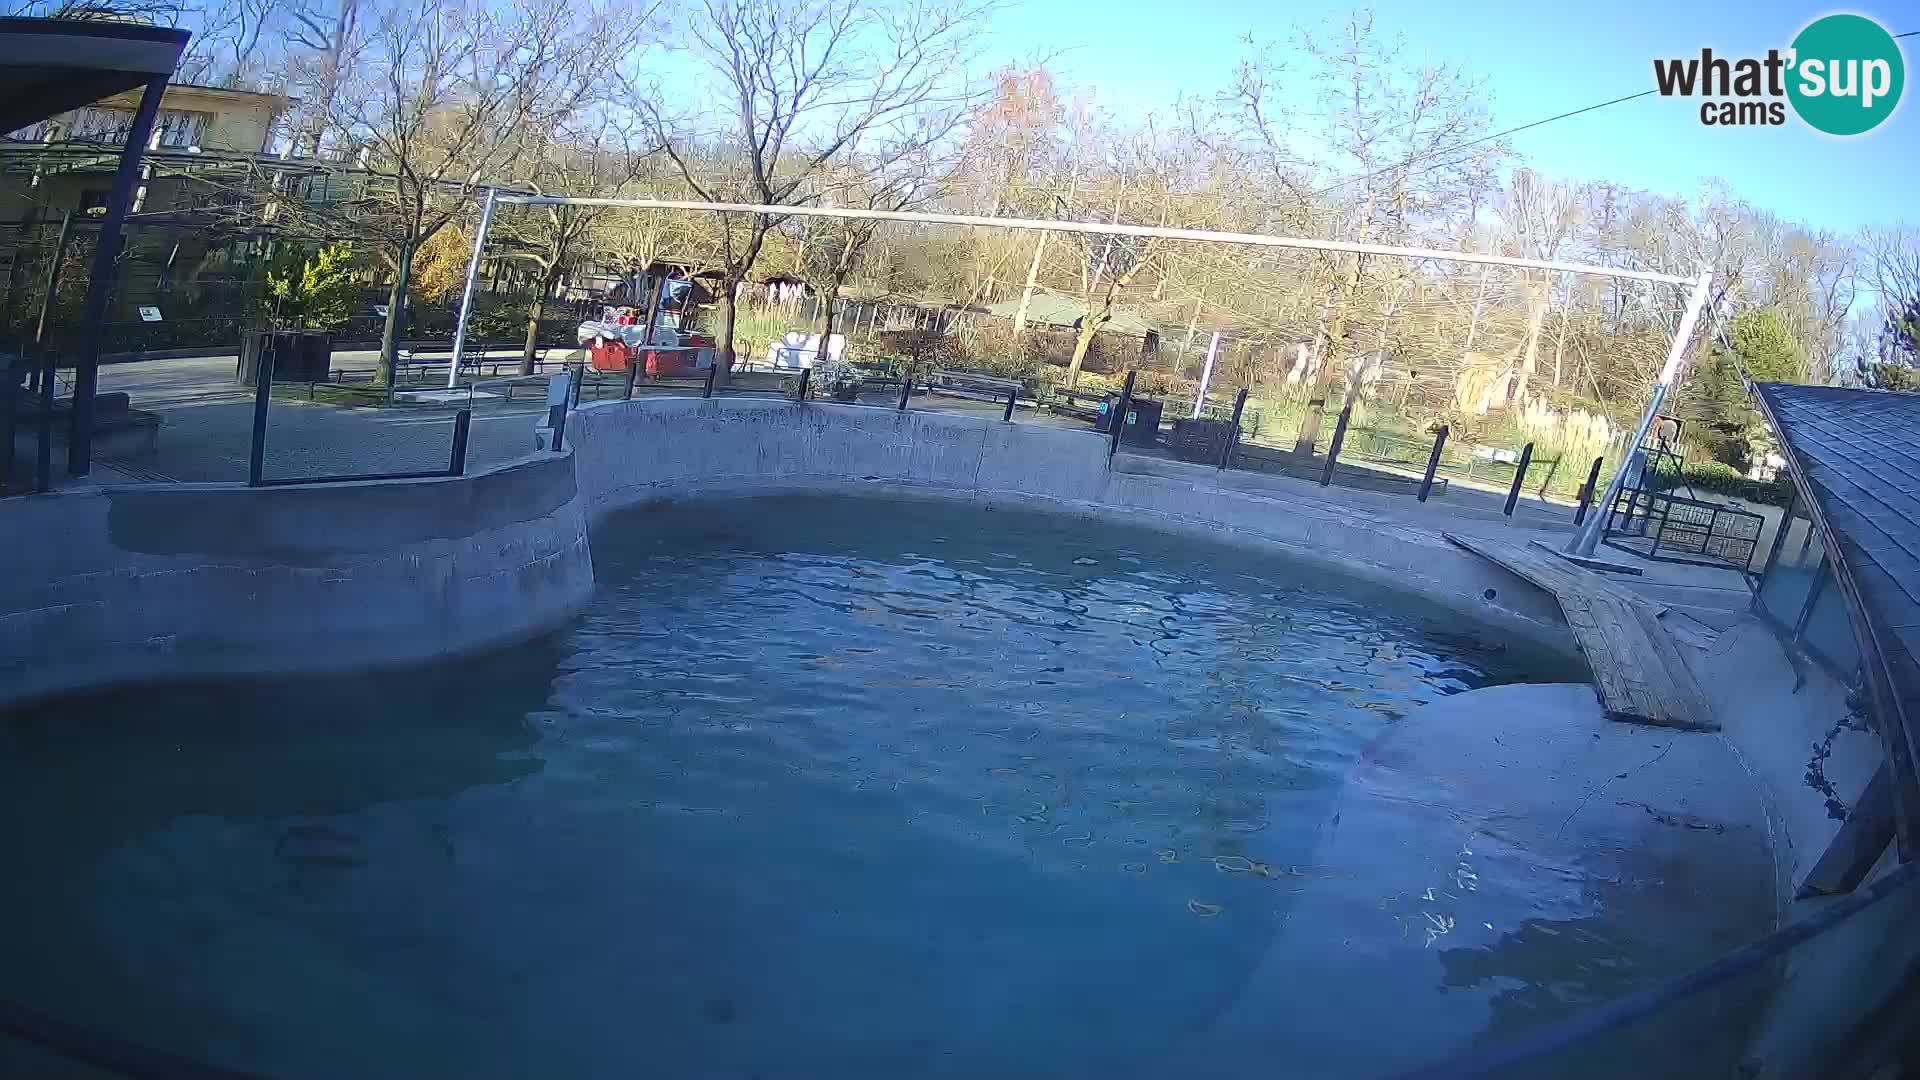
{"x":1846,"y":76}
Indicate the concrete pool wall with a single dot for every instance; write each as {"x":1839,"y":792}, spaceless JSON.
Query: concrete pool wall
{"x":631,"y":452}
{"x":124,"y":584}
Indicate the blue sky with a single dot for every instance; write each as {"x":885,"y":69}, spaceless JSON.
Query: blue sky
{"x":1141,"y":54}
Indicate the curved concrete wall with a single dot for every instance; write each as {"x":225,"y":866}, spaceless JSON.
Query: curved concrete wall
{"x":111,"y":585}
{"x":630,"y":452}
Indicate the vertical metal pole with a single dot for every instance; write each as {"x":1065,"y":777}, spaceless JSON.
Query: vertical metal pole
{"x":1586,"y":493}
{"x":633,"y":372}
{"x":654,"y":299}
{"x":1587,"y":540}
{"x":1206,"y":375}
{"x":43,"y":462}
{"x":1333,"y":448}
{"x":800,"y":392}
{"x":1013,"y":397}
{"x":106,"y":269}
{"x":457,"y":466}
{"x":466,"y":293}
{"x":712,"y":370}
{"x":1433,"y":463}
{"x":262,"y":398}
{"x":1519,"y":477}
{"x":906,"y":388}
{"x":579,"y":383}
{"x":1117,"y":423}
{"x":53,"y":286}
{"x":1233,"y":428}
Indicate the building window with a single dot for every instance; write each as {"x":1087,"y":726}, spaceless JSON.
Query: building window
{"x":173,"y":129}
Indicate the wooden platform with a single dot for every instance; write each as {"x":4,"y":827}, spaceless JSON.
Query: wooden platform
{"x":1637,"y":667}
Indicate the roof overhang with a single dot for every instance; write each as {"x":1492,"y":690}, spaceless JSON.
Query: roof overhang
{"x":51,"y":66}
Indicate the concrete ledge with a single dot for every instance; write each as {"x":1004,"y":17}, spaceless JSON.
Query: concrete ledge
{"x":111,"y":585}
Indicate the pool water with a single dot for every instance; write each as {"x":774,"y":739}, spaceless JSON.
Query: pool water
{"x":816,"y":788}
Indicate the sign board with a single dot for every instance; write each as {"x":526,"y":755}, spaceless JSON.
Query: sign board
{"x":380,"y":310}
{"x":150,"y":314}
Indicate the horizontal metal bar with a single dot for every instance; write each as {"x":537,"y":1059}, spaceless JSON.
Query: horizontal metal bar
{"x":1101,"y":228}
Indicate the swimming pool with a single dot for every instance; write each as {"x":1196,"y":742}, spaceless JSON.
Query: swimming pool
{"x":817,"y":787}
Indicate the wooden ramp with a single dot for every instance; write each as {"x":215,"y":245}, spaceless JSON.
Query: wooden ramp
{"x":1637,"y":668}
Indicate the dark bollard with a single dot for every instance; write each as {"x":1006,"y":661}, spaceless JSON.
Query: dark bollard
{"x":711,"y":373}
{"x":1117,"y":423}
{"x":1233,"y":428}
{"x":262,"y":398}
{"x":1013,"y":396}
{"x":633,"y":372}
{"x":800,"y":392}
{"x":1519,"y":477}
{"x":557,"y":420}
{"x":1586,"y":493}
{"x":462,"y":420}
{"x":1433,"y":463}
{"x":1333,"y":448}
{"x":906,"y":388}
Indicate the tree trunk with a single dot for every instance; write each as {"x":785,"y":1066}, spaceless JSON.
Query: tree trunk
{"x":1089,"y":326}
{"x":1559,"y":349}
{"x":723,"y":353}
{"x":822,"y":354}
{"x":533,"y":317}
{"x":1026,"y":294}
{"x":1530,"y":355}
{"x":396,"y":315}
{"x":1336,"y":330}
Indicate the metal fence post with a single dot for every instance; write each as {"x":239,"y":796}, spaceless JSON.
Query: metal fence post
{"x":800,"y":392}
{"x":906,"y":389}
{"x":633,"y":372}
{"x":712,"y":370}
{"x":1433,"y":462}
{"x":1519,"y":477}
{"x":1333,"y":448}
{"x":457,"y":466}
{"x":579,"y":382}
{"x":1233,"y":428}
{"x":1117,"y":423}
{"x":262,"y":398}
{"x":1013,"y":396}
{"x":43,"y":462}
{"x":1586,"y":493}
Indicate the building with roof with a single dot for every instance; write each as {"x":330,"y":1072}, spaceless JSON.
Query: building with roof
{"x":1843,"y":590}
{"x":1058,"y":312}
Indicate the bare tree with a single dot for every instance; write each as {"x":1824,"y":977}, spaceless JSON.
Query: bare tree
{"x":443,"y":99}
{"x":802,"y":81}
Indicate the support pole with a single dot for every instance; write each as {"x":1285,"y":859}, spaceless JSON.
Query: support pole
{"x":262,"y":400}
{"x":1013,"y":398}
{"x":800,"y":392}
{"x":1206,"y":375}
{"x":466,"y":294}
{"x":1433,"y":463}
{"x":906,"y":388}
{"x":1117,"y":423}
{"x":106,"y":269}
{"x":1519,"y":477}
{"x":1587,"y":540}
{"x":1233,"y":428}
{"x":1333,"y":448}
{"x":1586,"y":493}
{"x":713,"y":369}
{"x":457,"y":464}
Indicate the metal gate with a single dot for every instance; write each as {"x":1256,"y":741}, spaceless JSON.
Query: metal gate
{"x":1656,"y":525}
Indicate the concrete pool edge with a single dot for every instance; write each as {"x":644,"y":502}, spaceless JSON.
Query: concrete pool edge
{"x":151,"y":582}
{"x":634,"y":452}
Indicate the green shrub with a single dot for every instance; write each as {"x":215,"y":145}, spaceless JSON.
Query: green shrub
{"x":319,"y":293}
{"x":1719,"y":479}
